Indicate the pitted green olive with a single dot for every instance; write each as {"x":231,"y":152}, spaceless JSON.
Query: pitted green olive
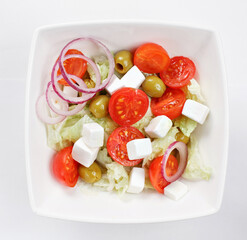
{"x":123,"y":61}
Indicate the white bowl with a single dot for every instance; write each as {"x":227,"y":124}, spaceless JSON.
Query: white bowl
{"x":49,"y":198}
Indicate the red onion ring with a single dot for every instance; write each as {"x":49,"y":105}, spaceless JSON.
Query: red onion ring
{"x":183,"y":152}
{"x":75,"y":100}
{"x":98,"y":86}
{"x":51,"y":94}
{"x":64,"y":99}
{"x":43,"y":114}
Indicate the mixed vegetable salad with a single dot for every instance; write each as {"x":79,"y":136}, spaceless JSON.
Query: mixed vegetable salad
{"x":124,"y":121}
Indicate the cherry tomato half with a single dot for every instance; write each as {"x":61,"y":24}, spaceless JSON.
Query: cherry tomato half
{"x":73,"y":66}
{"x":151,"y":58}
{"x":128,"y":105}
{"x":179,"y":73}
{"x":65,"y":168}
{"x":155,"y":175}
{"x":116,"y":144}
{"x":170,"y":104}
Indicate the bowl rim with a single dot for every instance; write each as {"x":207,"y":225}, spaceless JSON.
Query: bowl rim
{"x":42,"y":28}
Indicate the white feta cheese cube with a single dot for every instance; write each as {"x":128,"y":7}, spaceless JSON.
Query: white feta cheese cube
{"x":137,"y":180}
{"x":158,"y":127}
{"x":84,"y":154}
{"x":114,"y":85}
{"x":139,"y":148}
{"x":68,"y":90}
{"x":195,"y":111}
{"x":176,"y":190}
{"x":93,"y":135}
{"x":133,"y":78}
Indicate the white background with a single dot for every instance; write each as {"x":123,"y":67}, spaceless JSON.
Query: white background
{"x":18,"y":19}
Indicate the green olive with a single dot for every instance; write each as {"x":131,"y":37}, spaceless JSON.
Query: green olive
{"x":182,"y":138}
{"x":123,"y":61}
{"x":99,"y":106}
{"x":153,"y":86}
{"x":89,"y":82}
{"x":91,"y":174}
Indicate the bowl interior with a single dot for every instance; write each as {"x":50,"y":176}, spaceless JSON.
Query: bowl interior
{"x":51,"y":199}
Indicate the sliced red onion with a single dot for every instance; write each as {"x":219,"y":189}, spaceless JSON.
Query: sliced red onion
{"x":51,"y":95}
{"x":43,"y":112}
{"x":99,"y":86}
{"x":57,"y":94}
{"x":183,"y":152}
{"x":75,"y":100}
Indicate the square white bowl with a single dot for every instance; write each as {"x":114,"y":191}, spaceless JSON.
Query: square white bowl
{"x":49,"y":198}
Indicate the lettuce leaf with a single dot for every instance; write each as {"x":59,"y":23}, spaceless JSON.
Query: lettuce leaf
{"x":103,"y":157}
{"x":69,"y":131}
{"x":72,"y":129}
{"x":160,"y":145}
{"x":185,"y":124}
{"x":193,"y":91}
{"x":103,"y":66}
{"x":54,"y":139}
{"x":196,"y":169}
{"x":104,"y":183}
{"x":148,"y":183}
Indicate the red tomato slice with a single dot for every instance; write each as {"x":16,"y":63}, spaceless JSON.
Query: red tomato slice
{"x":73,"y":66}
{"x":128,"y":105}
{"x":155,"y":175}
{"x":179,"y":73}
{"x":170,"y":104}
{"x":65,"y":168}
{"x":151,"y":58}
{"x":116,"y":145}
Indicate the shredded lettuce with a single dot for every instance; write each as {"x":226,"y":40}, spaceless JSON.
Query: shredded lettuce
{"x":141,"y":124}
{"x":160,"y":145}
{"x":186,"y":125}
{"x":193,"y":92}
{"x":103,"y":157}
{"x":116,"y":178}
{"x":103,"y":66}
{"x":69,"y":131}
{"x":54,"y":139}
{"x":104,"y":183}
{"x":196,"y":169}
{"x":119,"y":175}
